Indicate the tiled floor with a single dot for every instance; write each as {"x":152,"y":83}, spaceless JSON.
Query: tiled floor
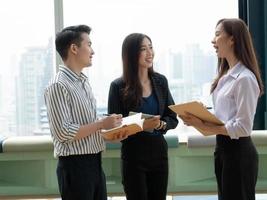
{"x":212,"y":197}
{"x":196,"y":197}
{"x":123,"y":198}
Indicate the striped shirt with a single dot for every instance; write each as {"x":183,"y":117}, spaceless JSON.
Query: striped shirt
{"x":70,"y":103}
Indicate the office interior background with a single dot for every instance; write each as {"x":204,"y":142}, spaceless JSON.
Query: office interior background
{"x":181,"y":32}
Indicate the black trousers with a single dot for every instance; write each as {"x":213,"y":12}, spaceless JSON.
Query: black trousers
{"x":145,"y":180}
{"x":236,"y":168}
{"x":80,"y":177}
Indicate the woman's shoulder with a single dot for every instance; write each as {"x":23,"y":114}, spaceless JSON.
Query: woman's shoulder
{"x":117,"y":82}
{"x":159,"y":77}
{"x":246,"y":74}
{"x":247,"y":78}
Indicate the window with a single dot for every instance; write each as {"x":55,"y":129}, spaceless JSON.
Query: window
{"x":181,"y":32}
{"x":27,"y":64}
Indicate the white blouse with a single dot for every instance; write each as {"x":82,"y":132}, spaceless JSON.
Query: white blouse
{"x":235,"y":100}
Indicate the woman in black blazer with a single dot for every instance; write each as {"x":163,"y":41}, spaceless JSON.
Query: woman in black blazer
{"x":144,"y":155}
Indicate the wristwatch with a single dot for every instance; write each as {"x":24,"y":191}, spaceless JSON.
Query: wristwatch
{"x":164,"y":125}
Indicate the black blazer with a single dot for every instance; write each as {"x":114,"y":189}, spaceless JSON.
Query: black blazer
{"x":142,"y":146}
{"x":161,"y":89}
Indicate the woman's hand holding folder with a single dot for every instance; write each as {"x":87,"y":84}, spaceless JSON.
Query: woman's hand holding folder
{"x":151,"y":123}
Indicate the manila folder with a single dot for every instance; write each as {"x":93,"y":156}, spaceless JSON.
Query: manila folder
{"x":197,"y":109}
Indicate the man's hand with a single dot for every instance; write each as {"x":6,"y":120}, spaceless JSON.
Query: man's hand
{"x":111,"y":121}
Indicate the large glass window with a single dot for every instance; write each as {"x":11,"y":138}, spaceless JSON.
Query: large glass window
{"x":27,"y":29}
{"x":181,"y":32}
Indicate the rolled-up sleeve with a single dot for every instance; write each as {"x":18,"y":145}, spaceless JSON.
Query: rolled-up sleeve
{"x":58,"y":111}
{"x":246,"y":97}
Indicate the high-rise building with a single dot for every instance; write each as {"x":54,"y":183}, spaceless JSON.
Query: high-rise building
{"x":35,"y":70}
{"x":176,"y":65}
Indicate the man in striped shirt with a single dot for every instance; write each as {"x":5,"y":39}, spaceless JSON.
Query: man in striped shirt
{"x":71,"y":109}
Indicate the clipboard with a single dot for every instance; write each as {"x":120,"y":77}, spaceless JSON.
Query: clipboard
{"x":132,"y":124}
{"x":197,"y":109}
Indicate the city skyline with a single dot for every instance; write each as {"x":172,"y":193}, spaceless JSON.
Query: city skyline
{"x":26,"y":111}
{"x":170,"y":24}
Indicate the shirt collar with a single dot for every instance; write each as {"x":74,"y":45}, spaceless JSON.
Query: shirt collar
{"x":236,"y":70}
{"x":72,"y":75}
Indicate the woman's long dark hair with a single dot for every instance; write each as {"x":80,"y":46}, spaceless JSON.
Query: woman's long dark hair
{"x":130,"y":58}
{"x":243,"y":50}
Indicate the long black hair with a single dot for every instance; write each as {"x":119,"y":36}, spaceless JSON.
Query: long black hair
{"x":243,"y":50}
{"x":130,"y":56}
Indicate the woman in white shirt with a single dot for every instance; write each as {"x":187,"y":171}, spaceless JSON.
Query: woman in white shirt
{"x":235,"y":91}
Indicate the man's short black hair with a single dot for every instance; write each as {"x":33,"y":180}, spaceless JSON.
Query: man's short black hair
{"x":70,"y":35}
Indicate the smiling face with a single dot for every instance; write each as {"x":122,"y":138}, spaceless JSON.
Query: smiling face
{"x":222,"y":42}
{"x":146,"y":54}
{"x":85,"y":52}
